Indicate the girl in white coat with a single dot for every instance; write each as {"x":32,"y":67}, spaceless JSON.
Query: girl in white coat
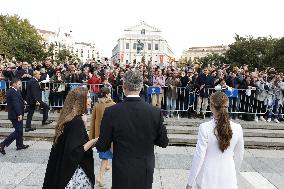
{"x":219,"y":150}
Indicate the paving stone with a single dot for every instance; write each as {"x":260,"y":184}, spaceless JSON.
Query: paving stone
{"x":25,"y":169}
{"x":174,"y":178}
{"x":173,"y":161}
{"x":172,"y":150}
{"x":36,"y":177}
{"x":14,"y":173}
{"x":266,"y":153}
{"x":276,"y":179}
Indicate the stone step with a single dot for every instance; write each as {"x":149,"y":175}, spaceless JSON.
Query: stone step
{"x":191,"y":124}
{"x":185,"y":121}
{"x":247,"y":132}
{"x":44,"y":134}
{"x":250,"y":142}
{"x":244,"y":124}
{"x":37,"y":117}
{"x":35,"y":124}
{"x":175,"y":139}
{"x":172,"y":121}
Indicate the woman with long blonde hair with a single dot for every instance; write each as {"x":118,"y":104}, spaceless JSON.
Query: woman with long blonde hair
{"x":98,"y":112}
{"x":71,"y":163}
{"x":219,"y":149}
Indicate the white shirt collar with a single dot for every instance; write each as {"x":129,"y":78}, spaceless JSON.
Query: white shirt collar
{"x":14,"y":88}
{"x":36,"y":79}
{"x":133,"y":96}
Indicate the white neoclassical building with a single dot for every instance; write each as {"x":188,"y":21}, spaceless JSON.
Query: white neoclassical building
{"x":84,"y":51}
{"x":145,"y":41}
{"x":199,"y":52}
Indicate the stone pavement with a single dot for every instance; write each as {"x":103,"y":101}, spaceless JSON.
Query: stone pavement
{"x":261,"y":169}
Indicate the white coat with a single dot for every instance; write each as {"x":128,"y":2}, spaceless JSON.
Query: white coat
{"x":212,"y":169}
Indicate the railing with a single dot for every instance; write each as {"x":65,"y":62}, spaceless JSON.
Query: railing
{"x":173,"y":100}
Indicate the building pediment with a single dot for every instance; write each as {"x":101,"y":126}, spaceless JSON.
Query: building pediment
{"x":143,"y":25}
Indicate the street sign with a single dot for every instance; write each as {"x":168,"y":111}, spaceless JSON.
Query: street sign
{"x":153,"y":90}
{"x":75,"y":85}
{"x":232,"y":93}
{"x":2,"y":85}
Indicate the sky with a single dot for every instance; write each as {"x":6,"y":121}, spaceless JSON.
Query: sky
{"x":184,"y":23}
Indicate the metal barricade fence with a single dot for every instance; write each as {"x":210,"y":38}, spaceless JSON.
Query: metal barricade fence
{"x":174,"y":100}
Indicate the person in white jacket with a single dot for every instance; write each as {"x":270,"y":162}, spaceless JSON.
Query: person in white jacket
{"x":219,"y":150}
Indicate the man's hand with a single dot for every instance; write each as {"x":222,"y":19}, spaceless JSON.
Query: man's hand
{"x":94,"y":141}
{"x":188,"y":187}
{"x":20,"y":118}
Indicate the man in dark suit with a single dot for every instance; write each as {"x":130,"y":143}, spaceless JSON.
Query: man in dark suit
{"x":134,"y":127}
{"x":24,"y":73}
{"x":34,"y":96}
{"x":15,"y":105}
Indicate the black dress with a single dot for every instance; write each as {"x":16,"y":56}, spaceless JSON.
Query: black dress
{"x":67,"y":155}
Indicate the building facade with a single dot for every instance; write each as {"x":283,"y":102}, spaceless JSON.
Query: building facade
{"x":144,"y":41}
{"x":84,"y":51}
{"x":198,"y":52}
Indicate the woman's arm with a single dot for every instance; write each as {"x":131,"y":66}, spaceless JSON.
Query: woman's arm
{"x":199,"y":155}
{"x":90,"y":144}
{"x":239,"y":151}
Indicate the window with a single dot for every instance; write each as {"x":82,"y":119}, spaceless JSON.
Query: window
{"x":149,"y":46}
{"x":134,"y":45}
{"x":143,"y":31}
{"x":127,"y":45}
{"x":156,"y":47}
{"x":127,"y":61}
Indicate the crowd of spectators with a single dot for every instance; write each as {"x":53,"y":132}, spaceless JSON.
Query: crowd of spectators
{"x":184,"y":91}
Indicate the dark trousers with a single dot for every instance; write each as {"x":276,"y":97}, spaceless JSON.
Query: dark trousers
{"x":31,"y":110}
{"x":16,"y":135}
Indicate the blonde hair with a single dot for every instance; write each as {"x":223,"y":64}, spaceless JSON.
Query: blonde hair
{"x":74,"y":105}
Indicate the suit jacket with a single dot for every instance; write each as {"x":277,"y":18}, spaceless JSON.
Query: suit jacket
{"x":210,"y":167}
{"x":33,"y":91}
{"x":97,"y":115}
{"x":208,"y":82}
{"x":15,"y":104}
{"x":134,"y":127}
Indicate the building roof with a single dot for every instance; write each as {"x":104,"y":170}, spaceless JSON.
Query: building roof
{"x":83,"y":43}
{"x":46,"y":31}
{"x":209,"y":47}
{"x":143,"y":25}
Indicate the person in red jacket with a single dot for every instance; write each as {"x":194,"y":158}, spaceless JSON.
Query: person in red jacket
{"x":95,"y":81}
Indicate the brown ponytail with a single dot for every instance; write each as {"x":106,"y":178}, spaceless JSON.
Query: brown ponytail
{"x":223,"y":130}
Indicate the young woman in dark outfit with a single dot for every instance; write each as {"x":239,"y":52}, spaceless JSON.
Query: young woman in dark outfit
{"x":71,"y":163}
